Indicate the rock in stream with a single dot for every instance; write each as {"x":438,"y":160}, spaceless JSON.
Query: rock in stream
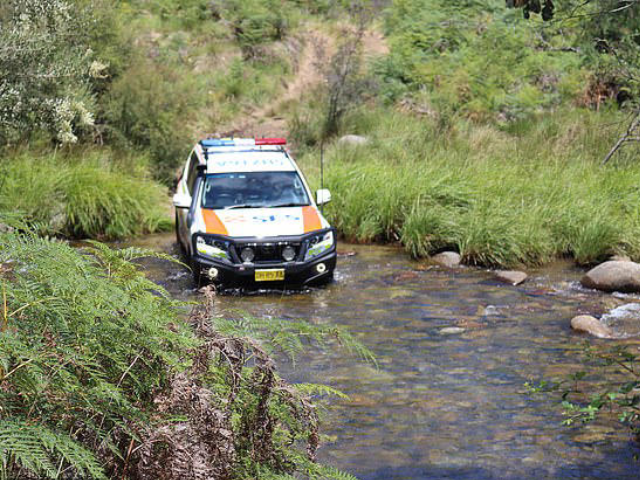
{"x":447,"y":259}
{"x":614,"y":277}
{"x":511,"y":277}
{"x":592,"y":326}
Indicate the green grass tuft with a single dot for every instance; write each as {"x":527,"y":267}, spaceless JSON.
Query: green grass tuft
{"x":84,"y":197}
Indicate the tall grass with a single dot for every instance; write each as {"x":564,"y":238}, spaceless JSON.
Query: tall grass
{"x":82,"y":197}
{"x":499,"y":198}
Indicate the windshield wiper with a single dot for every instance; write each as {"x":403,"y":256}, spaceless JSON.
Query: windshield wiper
{"x":282,"y":205}
{"x":242,"y":206}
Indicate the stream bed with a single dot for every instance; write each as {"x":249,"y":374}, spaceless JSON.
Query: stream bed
{"x":454,"y":348}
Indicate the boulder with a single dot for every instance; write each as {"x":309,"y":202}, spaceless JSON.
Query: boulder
{"x":614,"y":277}
{"x":512,"y":277}
{"x":447,"y":259}
{"x":353,"y":140}
{"x":591,"y":325}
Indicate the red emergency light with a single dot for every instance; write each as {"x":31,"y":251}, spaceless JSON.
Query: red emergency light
{"x":271,"y":141}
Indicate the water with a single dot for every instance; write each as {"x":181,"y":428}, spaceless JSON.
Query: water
{"x":443,"y":404}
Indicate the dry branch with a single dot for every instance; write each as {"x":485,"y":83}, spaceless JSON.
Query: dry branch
{"x":631,"y":135}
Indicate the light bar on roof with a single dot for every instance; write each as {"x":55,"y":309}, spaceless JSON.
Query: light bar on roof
{"x":241,"y":142}
{"x":271,"y":141}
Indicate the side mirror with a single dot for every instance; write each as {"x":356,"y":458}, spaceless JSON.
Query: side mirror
{"x":323,"y":196}
{"x":181,"y":200}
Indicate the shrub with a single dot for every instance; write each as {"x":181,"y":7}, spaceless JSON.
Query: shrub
{"x":150,"y":107}
{"x":257,"y":22}
{"x":477,"y":59}
{"x":84,"y":344}
{"x":45,"y":71}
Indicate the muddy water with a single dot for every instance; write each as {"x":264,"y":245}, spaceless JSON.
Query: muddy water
{"x":443,"y":403}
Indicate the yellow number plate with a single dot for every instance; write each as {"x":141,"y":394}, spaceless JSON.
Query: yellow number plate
{"x":270,"y":275}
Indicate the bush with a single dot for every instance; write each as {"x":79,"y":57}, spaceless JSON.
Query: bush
{"x":151,"y":107}
{"x":477,"y":59}
{"x":83,"y":347}
{"x":45,"y":70}
{"x":83,"y":197}
{"x":256,"y":22}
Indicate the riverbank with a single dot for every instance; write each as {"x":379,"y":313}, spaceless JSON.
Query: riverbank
{"x":83,"y":192}
{"x":501,"y":197}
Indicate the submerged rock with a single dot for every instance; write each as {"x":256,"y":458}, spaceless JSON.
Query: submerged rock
{"x":591,"y":325}
{"x":512,"y":277}
{"x":488,"y":311}
{"x":624,"y":320}
{"x":452,"y":331}
{"x":447,"y":259}
{"x":353,"y":140}
{"x":614,"y":277}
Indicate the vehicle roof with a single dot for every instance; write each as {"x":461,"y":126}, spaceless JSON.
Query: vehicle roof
{"x":247,"y":159}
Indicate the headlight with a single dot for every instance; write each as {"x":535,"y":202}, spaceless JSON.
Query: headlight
{"x":319,"y":245}
{"x":212,"y":248}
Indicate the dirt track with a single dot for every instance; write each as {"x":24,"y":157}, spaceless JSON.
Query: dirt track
{"x":318,"y":46}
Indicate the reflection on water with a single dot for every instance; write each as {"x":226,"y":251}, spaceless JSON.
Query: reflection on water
{"x":455,"y":349}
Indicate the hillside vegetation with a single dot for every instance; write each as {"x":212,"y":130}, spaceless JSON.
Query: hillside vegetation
{"x":138,"y":82}
{"x":487,"y":129}
{"x":486,"y":133}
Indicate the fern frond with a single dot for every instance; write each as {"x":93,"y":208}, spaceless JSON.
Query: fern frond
{"x":332,"y":473}
{"x":37,"y":449}
{"x":318,"y":389}
{"x":290,"y":337}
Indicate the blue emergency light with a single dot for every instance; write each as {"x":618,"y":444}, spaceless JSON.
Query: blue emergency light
{"x":241,"y":142}
{"x":217,"y":143}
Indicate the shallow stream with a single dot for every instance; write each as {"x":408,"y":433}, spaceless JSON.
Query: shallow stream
{"x":443,"y":403}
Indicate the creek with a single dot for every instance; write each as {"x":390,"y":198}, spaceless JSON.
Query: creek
{"x":454,"y":349}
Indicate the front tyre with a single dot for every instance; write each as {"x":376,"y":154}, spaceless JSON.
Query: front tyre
{"x":196,"y":271}
{"x":181,"y":248}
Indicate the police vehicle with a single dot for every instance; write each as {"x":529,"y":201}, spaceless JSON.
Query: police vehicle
{"x":245,"y":214}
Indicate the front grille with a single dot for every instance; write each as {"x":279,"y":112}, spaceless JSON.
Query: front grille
{"x":268,"y":252}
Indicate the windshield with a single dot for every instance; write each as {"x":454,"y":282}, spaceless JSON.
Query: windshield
{"x":254,"y":190}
